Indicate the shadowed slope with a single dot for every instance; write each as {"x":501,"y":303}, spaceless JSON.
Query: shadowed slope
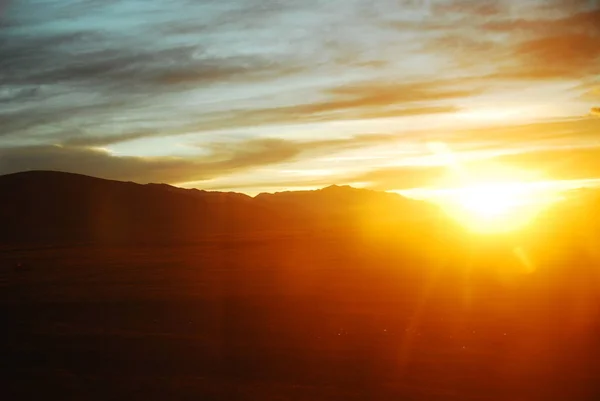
{"x":56,"y":206}
{"x":42,"y":205}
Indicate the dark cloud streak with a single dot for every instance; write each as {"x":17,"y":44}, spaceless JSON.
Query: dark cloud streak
{"x":222,"y":158}
{"x":556,"y":41}
{"x":360,"y":101}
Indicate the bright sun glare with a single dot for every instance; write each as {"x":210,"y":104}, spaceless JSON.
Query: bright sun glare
{"x":493,"y":207}
{"x":488,"y":201}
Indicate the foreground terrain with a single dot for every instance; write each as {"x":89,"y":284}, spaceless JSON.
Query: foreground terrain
{"x":119,"y":291}
{"x":292,"y":318}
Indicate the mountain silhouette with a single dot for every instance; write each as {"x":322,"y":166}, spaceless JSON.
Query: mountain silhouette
{"x":342,"y":202}
{"x":56,"y":206}
{"x":406,"y":300}
{"x":50,"y":206}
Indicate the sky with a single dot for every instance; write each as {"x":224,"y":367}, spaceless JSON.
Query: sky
{"x":270,"y":95}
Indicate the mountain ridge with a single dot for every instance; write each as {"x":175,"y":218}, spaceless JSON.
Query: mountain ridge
{"x":59,"y":206}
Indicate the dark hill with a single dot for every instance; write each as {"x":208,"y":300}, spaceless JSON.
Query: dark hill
{"x":342,"y":202}
{"x":55,"y":207}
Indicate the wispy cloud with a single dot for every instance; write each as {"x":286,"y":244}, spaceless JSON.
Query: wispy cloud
{"x":218,"y":158}
{"x":101,"y":163}
{"x":550,"y":133}
{"x":399,"y":178}
{"x":361,"y":100}
{"x":544,"y":42}
{"x":552,"y":164}
{"x":559,"y":164}
{"x":91,"y":74}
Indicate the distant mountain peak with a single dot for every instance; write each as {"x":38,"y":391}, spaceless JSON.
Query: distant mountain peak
{"x":336,"y":187}
{"x":328,"y":189}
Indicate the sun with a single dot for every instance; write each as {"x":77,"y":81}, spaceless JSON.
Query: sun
{"x":493,"y":207}
{"x":487,"y":196}
{"x":488,"y":202}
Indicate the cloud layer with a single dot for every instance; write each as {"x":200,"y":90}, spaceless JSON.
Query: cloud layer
{"x":219,"y":158}
{"x":180,"y":91}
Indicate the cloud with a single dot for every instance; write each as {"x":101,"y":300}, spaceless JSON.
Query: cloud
{"x":225,"y":158}
{"x":541,"y":41}
{"x":100,"y":163}
{"x":555,"y":132}
{"x":123,"y":70}
{"x":405,"y":112}
{"x":473,"y":8}
{"x":362,"y":100}
{"x":95,"y":162}
{"x":571,"y":19}
{"x":29,"y":118}
{"x":86,"y":140}
{"x":398,"y":178}
{"x":560,"y":163}
{"x":377,"y":94}
{"x":91,"y":79}
{"x":132,"y":55}
{"x":358,"y":101}
{"x":99,"y":73}
{"x":560,"y":56}
{"x":274,"y":185}
{"x":220,"y":158}
{"x":319,"y":113}
{"x":102,"y":122}
{"x":595,"y":111}
{"x":275,"y":150}
{"x":591,"y":93}
{"x":383,"y":179}
{"x":552,"y":164}
{"x":106,"y":70}
{"x":565,"y":47}
{"x":66,"y":72}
